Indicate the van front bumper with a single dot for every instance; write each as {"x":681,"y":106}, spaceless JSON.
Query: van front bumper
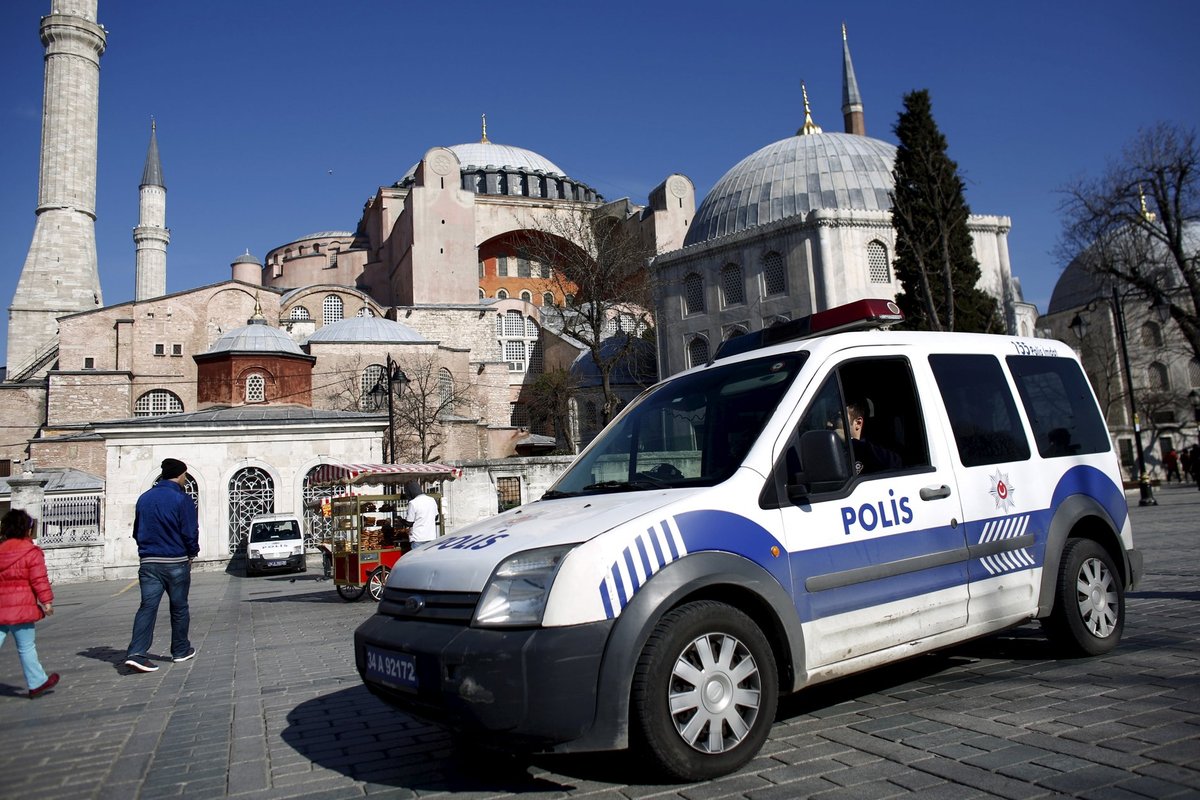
{"x":268,"y":564}
{"x":537,"y":687}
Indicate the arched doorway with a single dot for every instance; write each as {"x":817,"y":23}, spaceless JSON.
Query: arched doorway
{"x":251,"y":492}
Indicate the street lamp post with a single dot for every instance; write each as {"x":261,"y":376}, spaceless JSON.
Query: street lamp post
{"x":394,"y":375}
{"x":1079,"y":326}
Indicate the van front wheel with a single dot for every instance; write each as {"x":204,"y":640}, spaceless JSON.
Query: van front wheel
{"x":1089,"y":601}
{"x":704,"y":691}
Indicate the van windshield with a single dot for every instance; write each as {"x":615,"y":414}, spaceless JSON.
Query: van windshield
{"x":274,"y":531}
{"x":691,"y":431}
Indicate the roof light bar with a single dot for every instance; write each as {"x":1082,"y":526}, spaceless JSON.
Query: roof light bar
{"x":857,"y":316}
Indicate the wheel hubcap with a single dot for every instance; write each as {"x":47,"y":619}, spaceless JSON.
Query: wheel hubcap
{"x":714,"y":693}
{"x":1097,"y":597}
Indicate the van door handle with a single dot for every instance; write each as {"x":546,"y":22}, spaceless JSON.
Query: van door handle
{"x":935,"y":492}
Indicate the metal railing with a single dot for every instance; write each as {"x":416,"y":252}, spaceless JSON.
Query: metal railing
{"x":71,"y":521}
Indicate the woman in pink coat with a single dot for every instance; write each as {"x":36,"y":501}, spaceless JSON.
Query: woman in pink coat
{"x":25,"y":596}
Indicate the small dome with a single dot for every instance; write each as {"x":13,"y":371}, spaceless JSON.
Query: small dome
{"x":365,"y":329}
{"x":256,"y":338}
{"x":247,"y":259}
{"x":794,"y":176}
{"x":639,"y":367}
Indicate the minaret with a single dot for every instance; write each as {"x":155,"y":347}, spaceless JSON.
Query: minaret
{"x":60,"y":275}
{"x":852,"y":107}
{"x":151,"y":236}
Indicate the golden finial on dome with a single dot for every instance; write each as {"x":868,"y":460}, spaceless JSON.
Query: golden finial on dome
{"x":1147,"y":214}
{"x":484,"y":140}
{"x":843,"y":31}
{"x":809,"y":127}
{"x":258,"y":314}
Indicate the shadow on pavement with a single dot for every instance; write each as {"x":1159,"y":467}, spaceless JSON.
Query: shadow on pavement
{"x":376,"y":744}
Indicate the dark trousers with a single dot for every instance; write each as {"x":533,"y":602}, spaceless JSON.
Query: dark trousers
{"x":155,"y":579}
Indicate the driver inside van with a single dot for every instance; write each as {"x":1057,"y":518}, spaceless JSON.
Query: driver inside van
{"x":868,"y":456}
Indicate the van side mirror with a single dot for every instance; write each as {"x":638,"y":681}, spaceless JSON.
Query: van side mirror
{"x":824,"y":465}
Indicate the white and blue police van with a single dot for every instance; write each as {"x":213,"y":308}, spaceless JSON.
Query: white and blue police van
{"x":821,"y":498}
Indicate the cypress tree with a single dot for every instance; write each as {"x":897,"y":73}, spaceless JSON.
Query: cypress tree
{"x":934,"y":260}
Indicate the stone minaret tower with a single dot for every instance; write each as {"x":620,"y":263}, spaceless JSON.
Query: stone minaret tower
{"x":151,"y":236}
{"x":852,"y":106}
{"x":60,"y":275}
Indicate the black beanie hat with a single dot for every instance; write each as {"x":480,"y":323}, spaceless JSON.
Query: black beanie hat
{"x":172,"y":468}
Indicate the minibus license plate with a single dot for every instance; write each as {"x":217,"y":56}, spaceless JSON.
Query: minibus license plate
{"x":276,"y":563}
{"x":394,"y":669}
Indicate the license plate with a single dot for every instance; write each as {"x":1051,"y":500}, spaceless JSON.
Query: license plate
{"x":393,"y":669}
{"x":277,"y":563}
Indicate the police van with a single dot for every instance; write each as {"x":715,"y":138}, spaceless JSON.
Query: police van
{"x":821,"y":498}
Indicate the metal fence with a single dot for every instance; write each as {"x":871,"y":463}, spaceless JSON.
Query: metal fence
{"x":70,"y":521}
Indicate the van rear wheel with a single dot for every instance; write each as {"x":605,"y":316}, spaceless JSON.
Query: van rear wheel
{"x":704,"y":691}
{"x":1089,"y":601}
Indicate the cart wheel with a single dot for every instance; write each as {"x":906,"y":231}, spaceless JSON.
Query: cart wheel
{"x":376,"y":581}
{"x":351,"y":593}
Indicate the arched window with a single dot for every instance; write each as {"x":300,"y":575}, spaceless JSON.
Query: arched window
{"x":299,"y":312}
{"x":332,"y":309}
{"x":502,"y":294}
{"x":514,"y":324}
{"x":877,"y":262}
{"x":697,"y":351}
{"x":774,"y":277}
{"x":156,"y":403}
{"x":733,"y":291}
{"x":370,"y":398}
{"x":251,"y":492}
{"x":547,"y":298}
{"x":776,"y":321}
{"x":735,"y":331}
{"x":1152,"y":335}
{"x":445,"y":387}
{"x":693,"y":294}
{"x":256,"y":388}
{"x":1157,"y":377}
{"x":365,"y":311}
{"x":590,"y":419}
{"x":1194,"y":372}
{"x":481,"y":267}
{"x":527,"y":296}
{"x":481,"y":294}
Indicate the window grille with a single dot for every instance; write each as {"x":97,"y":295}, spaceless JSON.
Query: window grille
{"x":693,"y":294}
{"x":373,"y":376}
{"x":1151,"y":335}
{"x":518,"y":415}
{"x":299,"y":312}
{"x":1159,"y":380}
{"x":256,"y":388}
{"x":733,"y":288}
{"x":502,"y":294}
{"x":317,"y":527}
{"x":251,"y":492}
{"x":531,"y":328}
{"x":514,"y":354}
{"x":481,"y":267}
{"x":774,"y":279}
{"x":1194,"y":372}
{"x":156,"y":403}
{"x":445,"y":386}
{"x":514,"y":324}
{"x":70,"y":521}
{"x":160,"y":349}
{"x":332,"y":309}
{"x":697,"y":352}
{"x":176,"y":349}
{"x":499,"y":324}
{"x":877,"y":263}
{"x":590,"y":418}
{"x":508,"y":493}
{"x":536,"y":359}
{"x":527,"y":296}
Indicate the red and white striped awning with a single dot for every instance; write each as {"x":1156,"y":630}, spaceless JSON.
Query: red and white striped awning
{"x":346,"y":474}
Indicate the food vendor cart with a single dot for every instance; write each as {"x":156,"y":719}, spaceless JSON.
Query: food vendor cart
{"x":362,"y":552}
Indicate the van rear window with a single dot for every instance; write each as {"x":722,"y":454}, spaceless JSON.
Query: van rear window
{"x":1060,"y":407}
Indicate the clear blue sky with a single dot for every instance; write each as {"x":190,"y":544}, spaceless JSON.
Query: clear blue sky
{"x":278,"y":118}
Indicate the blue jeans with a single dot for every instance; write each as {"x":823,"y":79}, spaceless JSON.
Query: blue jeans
{"x":22,"y":634}
{"x":154,"y":579}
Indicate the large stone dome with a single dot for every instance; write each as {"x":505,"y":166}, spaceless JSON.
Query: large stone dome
{"x":796,"y":175}
{"x":476,"y":155}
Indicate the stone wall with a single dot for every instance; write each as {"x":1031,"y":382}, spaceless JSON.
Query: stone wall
{"x":473,"y":496}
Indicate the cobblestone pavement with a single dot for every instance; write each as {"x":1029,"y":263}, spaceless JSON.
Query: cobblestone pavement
{"x":272,"y":708}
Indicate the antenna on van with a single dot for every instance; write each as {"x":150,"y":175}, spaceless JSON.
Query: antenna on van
{"x":861,"y":315}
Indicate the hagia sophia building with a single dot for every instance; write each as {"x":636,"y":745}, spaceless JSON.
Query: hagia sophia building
{"x":259,"y":380}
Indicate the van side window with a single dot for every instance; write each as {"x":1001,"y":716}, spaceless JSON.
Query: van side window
{"x":980,"y":406}
{"x":1059,"y":405}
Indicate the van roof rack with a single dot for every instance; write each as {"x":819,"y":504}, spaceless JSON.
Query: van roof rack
{"x":860,"y":315}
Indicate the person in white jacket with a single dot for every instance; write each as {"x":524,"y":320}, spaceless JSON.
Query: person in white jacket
{"x":421,"y":514}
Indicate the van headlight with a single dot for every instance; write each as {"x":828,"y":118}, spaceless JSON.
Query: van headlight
{"x":255,"y":552}
{"x":517,"y":590}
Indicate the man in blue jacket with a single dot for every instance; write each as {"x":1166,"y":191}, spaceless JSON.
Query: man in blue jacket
{"x":168,"y":538}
